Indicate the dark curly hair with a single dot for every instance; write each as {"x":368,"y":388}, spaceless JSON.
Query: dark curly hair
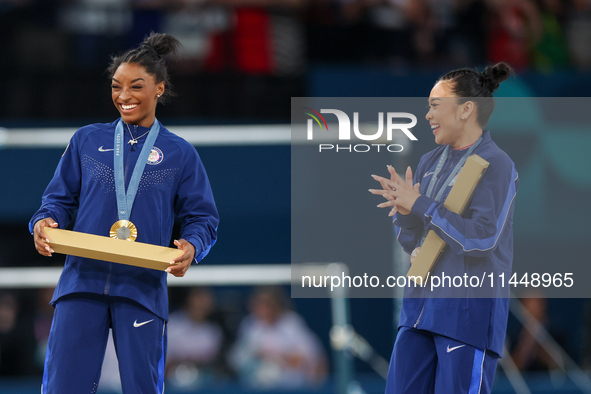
{"x":149,"y":54}
{"x":470,"y":85}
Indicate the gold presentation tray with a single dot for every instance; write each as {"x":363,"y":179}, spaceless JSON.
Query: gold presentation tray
{"x":457,"y":200}
{"x":109,"y":249}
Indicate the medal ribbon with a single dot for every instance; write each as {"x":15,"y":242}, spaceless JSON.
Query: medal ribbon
{"x":125,"y":200}
{"x":457,"y":168}
{"x":453,"y":173}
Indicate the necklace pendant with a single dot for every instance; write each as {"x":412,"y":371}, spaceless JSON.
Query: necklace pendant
{"x":132,"y":142}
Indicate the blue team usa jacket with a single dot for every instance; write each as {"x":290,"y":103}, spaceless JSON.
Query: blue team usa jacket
{"x":174,"y":182}
{"x":479,"y":242}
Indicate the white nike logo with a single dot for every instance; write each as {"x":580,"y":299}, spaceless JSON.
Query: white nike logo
{"x":449,"y":350}
{"x":101,"y":149}
{"x":136,"y":324}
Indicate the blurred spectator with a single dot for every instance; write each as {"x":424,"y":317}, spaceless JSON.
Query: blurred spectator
{"x":16,"y":339}
{"x":335,"y":32}
{"x":527,"y":352}
{"x":194,"y":342}
{"x":423,"y":32}
{"x":578,"y":33}
{"x":266,"y":37}
{"x":550,"y":53}
{"x":515,"y":28}
{"x":194,"y":345}
{"x":435,"y":21}
{"x":390,"y":31}
{"x":275,"y":348}
{"x":195,"y":24}
{"x":43,"y":319}
{"x":96,"y":27}
{"x":148,"y":16}
{"x":468,"y":43}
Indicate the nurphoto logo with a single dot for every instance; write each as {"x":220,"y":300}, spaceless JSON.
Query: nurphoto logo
{"x":344,"y":130}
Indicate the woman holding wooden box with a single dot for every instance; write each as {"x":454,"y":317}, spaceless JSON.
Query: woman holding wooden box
{"x":452,"y":344}
{"x":127,"y":179}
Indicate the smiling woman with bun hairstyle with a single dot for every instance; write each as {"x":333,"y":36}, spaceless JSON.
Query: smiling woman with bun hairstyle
{"x":127,"y":179}
{"x":451,"y":345}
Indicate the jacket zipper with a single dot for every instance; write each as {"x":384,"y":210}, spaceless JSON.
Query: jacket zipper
{"x":108,"y":284}
{"x":420,"y":315}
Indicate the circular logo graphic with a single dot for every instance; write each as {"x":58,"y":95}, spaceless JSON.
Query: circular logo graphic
{"x":155,"y":157}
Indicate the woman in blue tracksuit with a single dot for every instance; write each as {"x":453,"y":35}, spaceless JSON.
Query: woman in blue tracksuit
{"x":131,"y":170}
{"x":450,"y":339}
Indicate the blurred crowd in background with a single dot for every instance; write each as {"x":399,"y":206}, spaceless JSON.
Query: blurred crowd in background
{"x":252,"y":55}
{"x":216,"y":337}
{"x":210,"y":340}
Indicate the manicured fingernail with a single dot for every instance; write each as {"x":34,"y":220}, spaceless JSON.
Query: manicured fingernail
{"x":46,"y":239}
{"x":52,"y":251}
{"x":168,"y":270}
{"x":172,"y":262}
{"x":47,"y":248}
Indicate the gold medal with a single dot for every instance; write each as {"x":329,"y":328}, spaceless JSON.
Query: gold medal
{"x":124,"y":229}
{"x":414,"y":254}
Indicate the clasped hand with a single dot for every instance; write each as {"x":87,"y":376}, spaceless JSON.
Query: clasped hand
{"x":400,"y":193}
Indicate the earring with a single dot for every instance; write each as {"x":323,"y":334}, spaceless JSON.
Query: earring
{"x":160,"y":95}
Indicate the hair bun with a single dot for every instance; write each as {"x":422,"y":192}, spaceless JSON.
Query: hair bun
{"x":492,"y":76}
{"x":160,"y":44}
{"x":150,"y":49}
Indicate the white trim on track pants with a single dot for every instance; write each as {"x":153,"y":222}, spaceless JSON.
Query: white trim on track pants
{"x":426,"y":363}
